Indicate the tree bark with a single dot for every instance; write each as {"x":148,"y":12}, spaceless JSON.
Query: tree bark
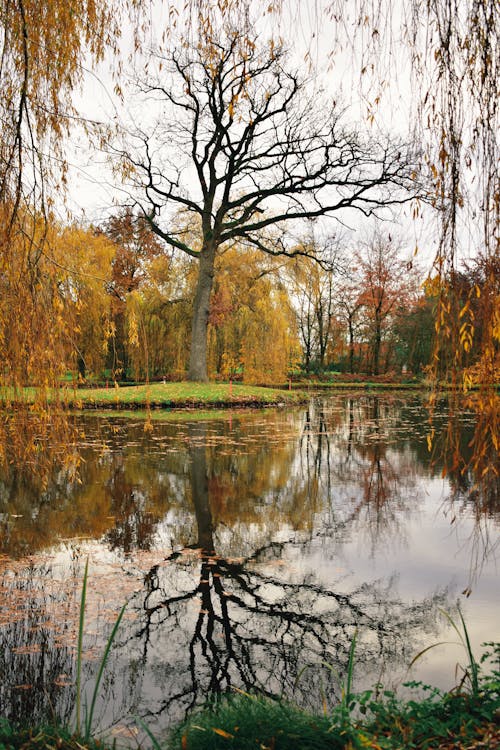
{"x":199,"y":332}
{"x":351,"y":346}
{"x":376,"y":349}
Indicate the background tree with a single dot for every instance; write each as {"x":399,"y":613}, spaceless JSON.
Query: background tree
{"x":250,"y":308}
{"x":414,"y":333}
{"x":135,"y":246}
{"x":246,"y":150}
{"x":83,"y":289}
{"x":156,"y":324}
{"x":387,"y":281}
{"x":348,"y":307}
{"x":313,"y":287}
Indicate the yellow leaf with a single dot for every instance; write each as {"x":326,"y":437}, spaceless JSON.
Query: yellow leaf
{"x":223,"y":733}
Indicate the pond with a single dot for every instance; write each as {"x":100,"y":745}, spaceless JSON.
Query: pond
{"x":250,"y":547}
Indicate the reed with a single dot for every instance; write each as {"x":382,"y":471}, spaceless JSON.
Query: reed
{"x":472,"y":671}
{"x":89,"y":714}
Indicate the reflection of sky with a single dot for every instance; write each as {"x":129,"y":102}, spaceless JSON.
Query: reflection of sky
{"x":435,"y":555}
{"x":398,"y":549}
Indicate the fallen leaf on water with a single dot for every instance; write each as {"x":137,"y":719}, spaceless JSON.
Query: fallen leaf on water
{"x":34,"y":649}
{"x":121,"y":730}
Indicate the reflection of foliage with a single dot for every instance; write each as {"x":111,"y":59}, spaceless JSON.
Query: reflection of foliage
{"x":239,"y":622}
{"x":470,"y":458}
{"x":350,"y":452}
{"x":242,"y":500}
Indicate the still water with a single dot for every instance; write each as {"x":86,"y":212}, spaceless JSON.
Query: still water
{"x":249,"y":547}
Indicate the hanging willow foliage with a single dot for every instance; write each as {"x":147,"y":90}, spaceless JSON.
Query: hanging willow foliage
{"x":42,"y":47}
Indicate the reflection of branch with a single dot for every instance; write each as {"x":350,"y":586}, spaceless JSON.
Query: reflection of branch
{"x":257,"y":631}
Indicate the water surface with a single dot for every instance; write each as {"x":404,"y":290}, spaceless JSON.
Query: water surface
{"x":250,"y":547}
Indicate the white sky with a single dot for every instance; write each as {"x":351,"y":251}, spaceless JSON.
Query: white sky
{"x":93,"y":189}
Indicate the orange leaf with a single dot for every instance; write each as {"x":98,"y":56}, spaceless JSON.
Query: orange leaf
{"x":223,"y":733}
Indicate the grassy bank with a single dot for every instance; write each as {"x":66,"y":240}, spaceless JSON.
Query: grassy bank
{"x":438,"y":721}
{"x":441,"y":722}
{"x":465,"y":718}
{"x":43,"y":738}
{"x":171,"y":396}
{"x":178,"y":395}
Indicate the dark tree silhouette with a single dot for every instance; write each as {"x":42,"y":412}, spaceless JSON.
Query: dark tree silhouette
{"x":243,"y":625}
{"x":247,"y":151}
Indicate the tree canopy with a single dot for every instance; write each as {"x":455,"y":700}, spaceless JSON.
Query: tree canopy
{"x":247,"y":149}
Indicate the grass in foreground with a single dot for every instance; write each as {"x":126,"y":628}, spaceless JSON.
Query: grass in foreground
{"x":462,"y":719}
{"x":441,"y":721}
{"x":43,"y":738}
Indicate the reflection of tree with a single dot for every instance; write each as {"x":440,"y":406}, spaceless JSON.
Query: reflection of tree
{"x":365,"y":481}
{"x":134,"y":523}
{"x":279,"y":498}
{"x":238,"y":623}
{"x":465,"y":451}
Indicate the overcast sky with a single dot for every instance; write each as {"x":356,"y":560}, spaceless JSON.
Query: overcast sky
{"x":94,"y":189}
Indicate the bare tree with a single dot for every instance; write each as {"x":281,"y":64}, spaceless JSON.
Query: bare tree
{"x":313,"y":291}
{"x":247,"y":151}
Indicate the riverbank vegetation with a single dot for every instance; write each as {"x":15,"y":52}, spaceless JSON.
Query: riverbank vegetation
{"x":165,"y":396}
{"x":126,"y":308}
{"x":457,"y":720}
{"x":442,"y":721}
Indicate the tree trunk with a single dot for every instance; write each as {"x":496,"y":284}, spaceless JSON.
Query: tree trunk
{"x":351,"y":346}
{"x":199,"y":330}
{"x":376,"y":349}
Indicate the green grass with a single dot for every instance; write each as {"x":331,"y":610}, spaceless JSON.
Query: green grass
{"x":436,"y":720}
{"x":176,"y":395}
{"x":356,"y":385}
{"x":43,"y":738}
{"x":465,"y":718}
{"x":166,"y":396}
{"x":89,"y":713}
{"x":250,"y":722}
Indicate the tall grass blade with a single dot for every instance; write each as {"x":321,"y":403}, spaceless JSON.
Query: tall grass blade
{"x":80,"y":648}
{"x":474,"y":667}
{"x":102,"y":665}
{"x":452,"y":623}
{"x":473,"y":671}
{"x":148,"y":731}
{"x":428,"y":648}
